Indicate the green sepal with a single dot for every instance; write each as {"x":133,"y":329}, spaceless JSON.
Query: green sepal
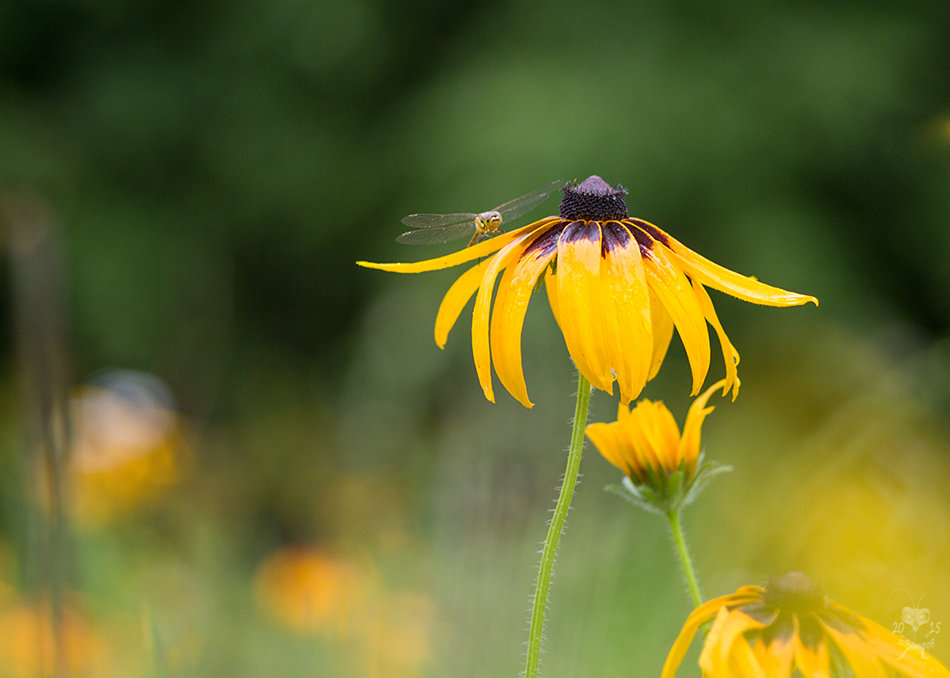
{"x":667,"y":494}
{"x":674,"y":484}
{"x":704,"y":474}
{"x":641,"y":496}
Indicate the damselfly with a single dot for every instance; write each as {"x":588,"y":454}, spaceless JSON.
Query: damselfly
{"x":431,"y":229}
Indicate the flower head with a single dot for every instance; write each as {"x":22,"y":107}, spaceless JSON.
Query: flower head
{"x":789,"y":628}
{"x":617,"y":286}
{"x":661,"y":465}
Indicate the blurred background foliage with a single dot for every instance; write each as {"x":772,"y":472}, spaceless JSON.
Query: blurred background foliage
{"x":274,"y":470}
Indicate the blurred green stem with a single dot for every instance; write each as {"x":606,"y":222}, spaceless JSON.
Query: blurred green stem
{"x":556,"y":527}
{"x":682,"y":550}
{"x":35,"y":244}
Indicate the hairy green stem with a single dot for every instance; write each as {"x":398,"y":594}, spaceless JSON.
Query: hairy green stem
{"x":539,"y":606}
{"x":682,"y":550}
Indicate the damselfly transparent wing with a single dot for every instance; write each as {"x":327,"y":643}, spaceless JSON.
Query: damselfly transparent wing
{"x":432,"y":229}
{"x":518,"y":207}
{"x":438,"y":220}
{"x":436,"y":234}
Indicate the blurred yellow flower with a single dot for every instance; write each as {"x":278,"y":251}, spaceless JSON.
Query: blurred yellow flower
{"x":940,"y":128}
{"x":127,"y":445}
{"x":791,"y":628}
{"x":28,"y":646}
{"x":617,"y":287}
{"x":308,"y":590}
{"x":387,"y":634}
{"x":397,"y":639}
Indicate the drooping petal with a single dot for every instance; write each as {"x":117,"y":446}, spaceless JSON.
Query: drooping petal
{"x":662,"y":334}
{"x":742,"y":661}
{"x":813,"y":662}
{"x":898,"y":653}
{"x":776,"y":657}
{"x":581,"y":300}
{"x":675,"y":293}
{"x":476,"y":251}
{"x":713,"y":275}
{"x":689,"y":442}
{"x":730,"y":355}
{"x":685,"y":638}
{"x":711,"y":658}
{"x":700,"y":616}
{"x":862,"y":661}
{"x":628,"y":334}
{"x":726,"y":651}
{"x":455,"y":299}
{"x":550,"y":287}
{"x":511,"y":303}
{"x":481,"y":351}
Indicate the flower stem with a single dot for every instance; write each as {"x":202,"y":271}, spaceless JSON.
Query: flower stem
{"x":682,"y":550}
{"x":556,"y":527}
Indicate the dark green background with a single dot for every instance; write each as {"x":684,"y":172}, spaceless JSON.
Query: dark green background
{"x":216,"y":168}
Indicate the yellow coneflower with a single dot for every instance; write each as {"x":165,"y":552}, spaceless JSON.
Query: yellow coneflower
{"x":790,"y":627}
{"x":617,"y":286}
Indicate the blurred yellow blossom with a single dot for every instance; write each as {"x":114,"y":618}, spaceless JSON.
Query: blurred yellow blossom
{"x":386,"y":634}
{"x":127,"y":445}
{"x":791,"y":628}
{"x":397,"y":639}
{"x":309,"y":590}
{"x":28,"y":646}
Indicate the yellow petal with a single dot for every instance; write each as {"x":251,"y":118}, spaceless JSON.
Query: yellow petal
{"x":662,"y":334}
{"x":726,"y":652}
{"x":455,"y":299}
{"x":813,"y":662}
{"x":713,"y":275}
{"x":642,"y":454}
{"x":776,"y":657}
{"x":610,"y":442}
{"x":631,"y":427}
{"x":480,"y":315}
{"x":481,"y":249}
{"x":689,"y":443}
{"x":683,"y":640}
{"x":581,"y":301}
{"x":700,"y":616}
{"x":730,"y":355}
{"x":657,"y":435}
{"x":742,"y":661}
{"x":711,"y":657}
{"x":893,"y":649}
{"x":507,"y":318}
{"x":628,"y":334}
{"x":675,"y":293}
{"x":862,"y":660}
{"x":550,"y":286}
